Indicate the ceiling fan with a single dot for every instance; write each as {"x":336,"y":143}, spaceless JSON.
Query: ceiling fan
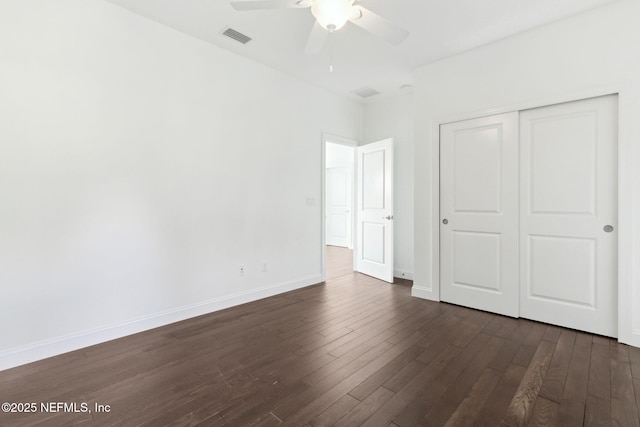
{"x":331,"y":15}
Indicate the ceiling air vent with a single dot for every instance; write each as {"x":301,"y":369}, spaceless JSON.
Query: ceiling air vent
{"x":365,"y":92}
{"x":236,"y":35}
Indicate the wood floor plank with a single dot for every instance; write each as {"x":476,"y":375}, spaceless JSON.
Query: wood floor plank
{"x":521,"y":406}
{"x":375,"y":381}
{"x":634,"y":358}
{"x":364,"y":410}
{"x":508,"y":326}
{"x":262,"y":409}
{"x":374,"y":362}
{"x":535,"y":334}
{"x":494,"y":409}
{"x":471,"y":326}
{"x":623,"y":400}
{"x":600,"y":371}
{"x":323,"y":393}
{"x":576,"y":385}
{"x":350,"y":351}
{"x":494,"y":325}
{"x":506,"y":355}
{"x":545,"y":413}
{"x":554,"y":381}
{"x":583,"y":340}
{"x":524,"y":355}
{"x":335,"y":412}
{"x":385,"y":413}
{"x":597,"y":412}
{"x":466,"y":412}
{"x":449,"y":391}
{"x":573,"y":402}
{"x":404,"y":375}
{"x":623,"y":415}
{"x":552,"y":333}
{"x":571,"y":412}
{"x":600,"y":340}
{"x":636,"y":389}
{"x":512,"y":345}
{"x":621,"y":381}
{"x":429,"y":317}
{"x":348,"y":361}
{"x":432,"y":392}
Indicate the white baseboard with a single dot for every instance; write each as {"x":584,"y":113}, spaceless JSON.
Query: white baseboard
{"x":424,"y":293}
{"x":403,"y":274}
{"x":52,"y":347}
{"x":632,"y":339}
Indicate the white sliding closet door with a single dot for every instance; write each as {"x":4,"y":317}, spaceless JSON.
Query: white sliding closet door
{"x":528,"y":211}
{"x":479,"y":213}
{"x":568,"y":215}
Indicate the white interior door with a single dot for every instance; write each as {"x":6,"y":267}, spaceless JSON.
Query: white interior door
{"x":478,"y":213}
{"x":568,"y":215}
{"x":338,"y":205}
{"x":374,"y":251}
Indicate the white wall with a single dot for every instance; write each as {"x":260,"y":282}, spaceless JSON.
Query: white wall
{"x":592,"y":53}
{"x":394,"y":118}
{"x":139,"y":168}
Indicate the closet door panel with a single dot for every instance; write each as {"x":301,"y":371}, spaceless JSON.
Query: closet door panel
{"x":478,"y":213}
{"x":568,"y":215}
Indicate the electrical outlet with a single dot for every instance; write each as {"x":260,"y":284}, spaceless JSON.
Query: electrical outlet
{"x":264,"y":267}
{"x":242,"y":271}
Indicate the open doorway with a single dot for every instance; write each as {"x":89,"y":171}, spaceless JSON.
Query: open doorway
{"x":339,"y":205}
{"x":363,"y":229}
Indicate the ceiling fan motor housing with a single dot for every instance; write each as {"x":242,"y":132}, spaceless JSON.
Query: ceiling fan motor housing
{"x":332,"y":14}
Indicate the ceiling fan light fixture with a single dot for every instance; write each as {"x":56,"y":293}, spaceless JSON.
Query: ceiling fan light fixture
{"x":332,"y":14}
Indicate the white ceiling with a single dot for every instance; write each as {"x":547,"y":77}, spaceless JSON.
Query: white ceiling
{"x":438,"y":28}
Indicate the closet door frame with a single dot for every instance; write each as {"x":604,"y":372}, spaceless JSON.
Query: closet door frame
{"x":627,"y":272}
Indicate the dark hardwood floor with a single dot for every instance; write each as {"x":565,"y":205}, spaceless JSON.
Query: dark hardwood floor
{"x":353,"y":351}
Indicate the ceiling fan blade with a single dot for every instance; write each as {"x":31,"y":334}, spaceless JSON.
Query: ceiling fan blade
{"x":377,"y":25}
{"x":268,"y":4}
{"x":317,"y":39}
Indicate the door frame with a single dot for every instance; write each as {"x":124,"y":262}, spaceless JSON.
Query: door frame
{"x":349,"y":199}
{"x":626,"y":178}
{"x":334,"y":139}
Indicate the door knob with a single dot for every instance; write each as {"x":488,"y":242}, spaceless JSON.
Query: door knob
{"x":388,"y":217}
{"x":445,"y":221}
{"x":608,"y":228}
